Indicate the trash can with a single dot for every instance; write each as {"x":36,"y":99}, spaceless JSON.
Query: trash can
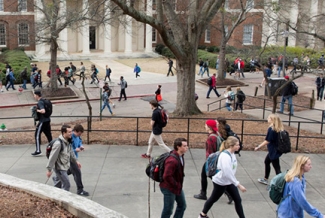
{"x":274,"y":84}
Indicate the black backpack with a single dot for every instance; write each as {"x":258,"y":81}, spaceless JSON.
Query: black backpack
{"x":155,"y":169}
{"x":48,"y":107}
{"x":294,"y":88}
{"x":209,"y":82}
{"x":164,"y":117}
{"x":283,"y":142}
{"x":50,"y":145}
{"x":231,"y":133}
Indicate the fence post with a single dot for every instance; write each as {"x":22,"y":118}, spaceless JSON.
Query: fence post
{"x":242,"y":131}
{"x":137,"y":137}
{"x":88,"y":127}
{"x":188,"y":131}
{"x":298,"y":133}
{"x":100,"y":104}
{"x":289,"y":119}
{"x":321,"y":126}
{"x":263,"y":109}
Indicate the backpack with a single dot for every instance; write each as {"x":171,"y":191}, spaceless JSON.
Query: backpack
{"x":241,"y":96}
{"x":209,"y":82}
{"x":126,"y":84}
{"x":283,"y":142}
{"x":205,"y":65}
{"x":219,"y":139}
{"x":96,"y":71}
{"x":139,"y":69}
{"x":231,"y":133}
{"x":164,"y":117}
{"x":155,"y":169}
{"x":36,"y":76}
{"x":212,"y":162}
{"x":294,"y":88}
{"x":50,"y":145}
{"x":48,"y":107}
{"x":74,"y":69}
{"x":276,"y":188}
{"x":231,"y":96}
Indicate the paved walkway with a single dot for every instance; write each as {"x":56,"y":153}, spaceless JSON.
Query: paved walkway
{"x":116,"y":178}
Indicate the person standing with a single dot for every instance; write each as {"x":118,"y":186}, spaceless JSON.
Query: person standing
{"x":123,"y":85}
{"x":296,"y":203}
{"x":213,"y":86}
{"x":172,"y":185}
{"x":156,"y":124}
{"x":321,"y":62}
{"x":108,"y":73}
{"x":320,"y":83}
{"x":137,"y":70}
{"x":170,"y":67}
{"x":286,"y":95}
{"x":61,"y":156}
{"x":158,"y":93}
{"x":273,"y":156}
{"x":44,"y":123}
{"x":240,"y":99}
{"x":23,"y":76}
{"x":225,"y":179}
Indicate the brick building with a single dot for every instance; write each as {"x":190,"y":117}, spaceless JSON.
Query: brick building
{"x":17,"y":24}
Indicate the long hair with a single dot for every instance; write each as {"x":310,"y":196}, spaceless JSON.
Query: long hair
{"x":222,"y":127}
{"x":276,"y":123}
{"x":230,"y":142}
{"x":297,"y":168}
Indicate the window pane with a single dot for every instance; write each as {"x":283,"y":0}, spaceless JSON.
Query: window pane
{"x":207,"y":35}
{"x":23,"y":34}
{"x":2,"y":34}
{"x":154,"y":35}
{"x":1,"y":5}
{"x":248,"y":34}
{"x":22,"y":5}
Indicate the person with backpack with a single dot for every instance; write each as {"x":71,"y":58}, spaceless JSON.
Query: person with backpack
{"x":105,"y":98}
{"x":212,"y":145}
{"x":240,"y":99}
{"x":108,"y":73}
{"x":213,"y":85}
{"x":11,"y":80}
{"x":320,"y":83}
{"x":201,"y":66}
{"x":73,"y":72}
{"x":205,"y":67}
{"x":156,"y":124}
{"x":170,"y":67}
{"x":137,"y":70}
{"x":94,"y":72}
{"x":23,"y":76}
{"x":230,"y":97}
{"x":321,"y":63}
{"x":109,"y":93}
{"x":172,"y":185}
{"x":295,"y":203}
{"x":287,"y":95}
{"x":123,"y":85}
{"x":60,"y":157}
{"x":225,"y":179}
{"x":273,"y":156}
{"x":44,"y":123}
{"x":38,"y":79}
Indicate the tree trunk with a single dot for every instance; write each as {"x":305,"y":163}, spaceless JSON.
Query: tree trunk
{"x":53,"y":63}
{"x":87,"y":101}
{"x":222,"y":56}
{"x":185,"y":104}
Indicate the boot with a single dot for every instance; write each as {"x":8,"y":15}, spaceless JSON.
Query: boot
{"x":202,"y":196}
{"x":229,"y":197}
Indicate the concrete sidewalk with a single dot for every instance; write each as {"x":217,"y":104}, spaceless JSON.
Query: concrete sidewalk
{"x":115,"y":178}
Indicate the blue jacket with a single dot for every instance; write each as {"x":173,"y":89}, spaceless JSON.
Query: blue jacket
{"x":294,"y":205}
{"x":76,"y":143}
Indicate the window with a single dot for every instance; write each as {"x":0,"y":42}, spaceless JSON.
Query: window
{"x":226,"y":4}
{"x":22,"y":5}
{"x":23,"y":34}
{"x":248,"y":34}
{"x":1,"y":5}
{"x":250,"y":4}
{"x":154,"y":35}
{"x":2,"y":34}
{"x":207,"y":35}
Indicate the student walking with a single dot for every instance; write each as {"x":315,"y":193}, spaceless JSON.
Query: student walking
{"x":105,"y":98}
{"x":60,"y":158}
{"x":156,"y":124}
{"x":172,"y":185}
{"x":11,"y":79}
{"x":158,"y":94}
{"x":240,"y":95}
{"x":23,"y":76}
{"x":320,"y":83}
{"x":225,"y":179}
{"x":296,"y":203}
{"x":213,"y":86}
{"x":230,"y":96}
{"x":44,"y":123}
{"x":123,"y":85}
{"x":271,"y":141}
{"x":108,"y":73}
{"x":170,"y":67}
{"x":286,"y":95}
{"x":137,"y":70}
{"x":206,"y":67}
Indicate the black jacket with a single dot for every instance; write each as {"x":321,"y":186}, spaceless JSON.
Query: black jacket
{"x":287,"y":90}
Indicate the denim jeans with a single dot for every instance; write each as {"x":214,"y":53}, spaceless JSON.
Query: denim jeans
{"x":279,"y":70}
{"x":201,"y":70}
{"x":283,"y":100}
{"x":169,"y":199}
{"x":207,"y":70}
{"x":228,"y":106}
{"x":24,"y":84}
{"x":106,"y":103}
{"x":214,"y":89}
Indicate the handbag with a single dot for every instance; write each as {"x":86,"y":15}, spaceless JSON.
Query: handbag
{"x":159,"y":98}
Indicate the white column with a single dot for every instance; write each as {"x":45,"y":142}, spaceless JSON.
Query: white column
{"x":314,"y":24}
{"x":85,"y":31}
{"x":40,"y":47}
{"x":107,"y":31}
{"x":63,"y":37}
{"x":149,"y":29}
{"x":128,"y":35}
{"x":293,"y":21}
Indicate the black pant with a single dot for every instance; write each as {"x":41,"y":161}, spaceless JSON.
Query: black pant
{"x":44,"y":127}
{"x":75,"y":171}
{"x":122,"y":93}
{"x":59,"y":80}
{"x":170,"y":71}
{"x":137,"y":75}
{"x":218,"y":191}
{"x":108,"y":76}
{"x":276,"y":166}
{"x":204,"y":180}
{"x":240,"y":105}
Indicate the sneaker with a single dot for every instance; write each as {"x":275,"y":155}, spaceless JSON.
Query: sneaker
{"x":208,"y":97}
{"x":200,"y":216}
{"x":112,"y":114}
{"x":113,"y":105}
{"x":36,"y":153}
{"x":145,"y":156}
{"x":263,"y":181}
{"x":83,"y":193}
{"x":201,"y":196}
{"x":279,"y":112}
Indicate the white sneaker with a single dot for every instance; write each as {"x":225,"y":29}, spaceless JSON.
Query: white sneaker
{"x":263,"y":181}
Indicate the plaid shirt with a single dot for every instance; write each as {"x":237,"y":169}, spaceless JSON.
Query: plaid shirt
{"x":173,"y":174}
{"x":211,"y":144}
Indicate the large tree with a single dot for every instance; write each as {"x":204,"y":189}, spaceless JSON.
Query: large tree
{"x":180,"y":27}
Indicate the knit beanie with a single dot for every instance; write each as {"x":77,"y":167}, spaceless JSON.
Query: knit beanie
{"x":212,"y":124}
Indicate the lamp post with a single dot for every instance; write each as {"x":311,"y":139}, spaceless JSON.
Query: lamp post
{"x":285,"y":36}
